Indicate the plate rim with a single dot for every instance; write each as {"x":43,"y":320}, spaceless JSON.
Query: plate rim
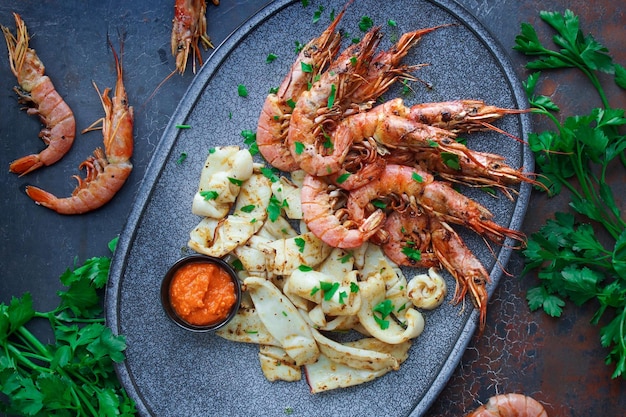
{"x":169,"y":138}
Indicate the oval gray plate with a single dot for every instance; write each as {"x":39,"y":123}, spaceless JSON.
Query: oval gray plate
{"x":171,"y":372}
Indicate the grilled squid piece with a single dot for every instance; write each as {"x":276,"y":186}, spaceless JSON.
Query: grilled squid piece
{"x":277,"y":365}
{"x":247,"y":327}
{"x":224,"y":170}
{"x":288,"y":254}
{"x":283,"y":321}
{"x":325,"y":374}
{"x":372,"y":294}
{"x":427,"y":291}
{"x":219,"y":237}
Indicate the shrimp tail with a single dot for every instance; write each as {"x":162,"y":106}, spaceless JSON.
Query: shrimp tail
{"x":41,"y":197}
{"x":26,"y":164}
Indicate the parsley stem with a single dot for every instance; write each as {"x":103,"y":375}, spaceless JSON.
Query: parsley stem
{"x":20,"y":357}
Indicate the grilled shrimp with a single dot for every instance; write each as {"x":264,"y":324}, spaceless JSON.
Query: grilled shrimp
{"x":324,"y":216}
{"x":38,"y":93}
{"x":446,"y":204}
{"x":474,"y":168}
{"x":397,"y":182}
{"x":385,"y":68}
{"x":274,"y":120}
{"x":409,"y":240}
{"x":106,"y":171}
{"x":510,"y":405}
{"x":317,"y":108}
{"x":188,"y":30}
{"x":470,"y":275}
{"x":459,"y":115}
{"x":424,"y":241}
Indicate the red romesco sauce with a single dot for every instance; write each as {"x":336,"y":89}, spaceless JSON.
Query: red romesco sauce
{"x":202,"y":293}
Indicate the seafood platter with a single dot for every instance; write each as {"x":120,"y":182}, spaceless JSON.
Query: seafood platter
{"x":364,"y":173}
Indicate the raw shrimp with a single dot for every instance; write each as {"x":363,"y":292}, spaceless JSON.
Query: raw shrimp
{"x":188,"y":30}
{"x":274,"y":120}
{"x":106,"y":171}
{"x":510,"y":405}
{"x":459,"y":115}
{"x":38,"y":93}
{"x":327,"y":222}
{"x":317,"y":108}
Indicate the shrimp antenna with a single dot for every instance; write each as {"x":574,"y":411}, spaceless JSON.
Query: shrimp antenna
{"x":493,"y":253}
{"x":158,"y":87}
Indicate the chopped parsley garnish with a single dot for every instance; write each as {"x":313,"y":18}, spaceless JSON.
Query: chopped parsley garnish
{"x":271,"y":58}
{"x":384,"y":309}
{"x":417,"y":177}
{"x":354,"y":287}
{"x":412,"y":253}
{"x":274,"y":208}
{"x":365,"y":23}
{"x":306,"y":67}
{"x":270,"y":173}
{"x":209,"y":195}
{"x":329,"y":289}
{"x":331,"y":97}
{"x":318,"y":14}
{"x":248,"y":209}
{"x":299,"y":147}
{"x":300,"y":243}
{"x":392,"y":23}
{"x":183,"y":127}
{"x":305,"y":268}
{"x":343,"y":177}
{"x":451,"y":160}
{"x":181,"y":158}
{"x":235,"y":181}
{"x":242,"y":90}
{"x":249,"y":138}
{"x":379,"y":204}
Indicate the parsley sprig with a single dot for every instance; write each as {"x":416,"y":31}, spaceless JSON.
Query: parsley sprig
{"x":575,"y":259}
{"x":74,"y":375}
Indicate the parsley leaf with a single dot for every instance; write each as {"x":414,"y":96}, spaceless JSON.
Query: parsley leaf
{"x":74,"y":372}
{"x":572,"y":262}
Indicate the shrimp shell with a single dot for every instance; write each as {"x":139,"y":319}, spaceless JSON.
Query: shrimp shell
{"x":510,"y":405}
{"x":38,"y":93}
{"x":106,"y":171}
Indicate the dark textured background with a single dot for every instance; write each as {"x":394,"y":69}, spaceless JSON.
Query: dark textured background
{"x":558,"y":361}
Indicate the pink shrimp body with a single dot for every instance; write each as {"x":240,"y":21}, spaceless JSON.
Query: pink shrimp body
{"x":319,"y":214}
{"x":37,"y":91}
{"x":275,"y":116}
{"x":510,"y":405}
{"x":106,"y":171}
